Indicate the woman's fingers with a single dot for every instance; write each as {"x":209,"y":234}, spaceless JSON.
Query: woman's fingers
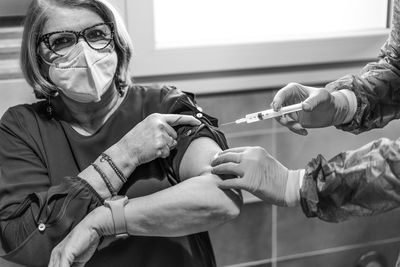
{"x":226,"y":157}
{"x":174,"y":120}
{"x":170,"y":142}
{"x":64,"y":262}
{"x":228,"y":168}
{"x":170,"y":131}
{"x":53,"y":260}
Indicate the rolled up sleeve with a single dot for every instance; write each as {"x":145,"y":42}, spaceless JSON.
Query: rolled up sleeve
{"x":178,"y":102}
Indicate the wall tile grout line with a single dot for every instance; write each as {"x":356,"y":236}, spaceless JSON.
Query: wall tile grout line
{"x":317,"y":252}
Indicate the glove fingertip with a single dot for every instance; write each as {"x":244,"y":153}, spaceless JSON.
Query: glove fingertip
{"x":276,"y":105}
{"x":228,"y":184}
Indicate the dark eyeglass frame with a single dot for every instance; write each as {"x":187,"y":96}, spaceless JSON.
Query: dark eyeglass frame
{"x":46,"y":37}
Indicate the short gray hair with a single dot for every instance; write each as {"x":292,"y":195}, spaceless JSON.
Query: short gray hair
{"x":37,"y":15}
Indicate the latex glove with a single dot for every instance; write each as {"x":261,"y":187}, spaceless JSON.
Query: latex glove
{"x":320,"y":107}
{"x":258,"y":173}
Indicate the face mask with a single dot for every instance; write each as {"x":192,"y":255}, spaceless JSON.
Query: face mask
{"x":84,"y":74}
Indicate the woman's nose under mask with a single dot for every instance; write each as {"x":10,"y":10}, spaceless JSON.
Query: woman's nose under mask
{"x":84,"y":74}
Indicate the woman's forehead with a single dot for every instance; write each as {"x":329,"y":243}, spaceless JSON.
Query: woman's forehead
{"x":74,"y":19}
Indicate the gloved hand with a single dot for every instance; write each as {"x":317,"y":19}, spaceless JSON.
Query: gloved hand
{"x":258,"y":173}
{"x":320,"y":107}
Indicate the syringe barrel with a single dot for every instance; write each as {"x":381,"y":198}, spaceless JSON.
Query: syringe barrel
{"x":270,"y":113}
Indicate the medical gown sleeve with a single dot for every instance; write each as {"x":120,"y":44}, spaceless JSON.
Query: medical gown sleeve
{"x":362,"y":182}
{"x":377,"y":86}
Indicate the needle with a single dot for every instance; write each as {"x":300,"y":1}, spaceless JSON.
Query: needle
{"x":228,"y":123}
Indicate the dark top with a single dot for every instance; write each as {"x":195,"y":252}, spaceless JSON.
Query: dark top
{"x":40,"y":157}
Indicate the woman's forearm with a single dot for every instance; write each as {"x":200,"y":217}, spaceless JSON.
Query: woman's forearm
{"x":121,"y":160}
{"x":192,"y":206}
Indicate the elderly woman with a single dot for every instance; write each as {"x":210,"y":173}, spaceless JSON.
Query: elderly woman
{"x":98,"y":139}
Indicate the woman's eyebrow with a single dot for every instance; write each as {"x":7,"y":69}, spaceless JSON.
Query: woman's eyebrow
{"x":73,"y":30}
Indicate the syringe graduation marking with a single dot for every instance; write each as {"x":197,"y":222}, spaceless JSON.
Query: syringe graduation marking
{"x":269,"y":113}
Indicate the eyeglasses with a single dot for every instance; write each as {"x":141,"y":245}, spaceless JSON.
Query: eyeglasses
{"x":98,"y":37}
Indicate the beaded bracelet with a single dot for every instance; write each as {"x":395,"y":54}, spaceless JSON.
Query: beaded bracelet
{"x":105,"y":179}
{"x":105,"y":157}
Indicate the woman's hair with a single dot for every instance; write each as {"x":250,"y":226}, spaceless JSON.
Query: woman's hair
{"x":37,"y":15}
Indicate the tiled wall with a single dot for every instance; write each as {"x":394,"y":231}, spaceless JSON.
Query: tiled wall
{"x":291,"y":239}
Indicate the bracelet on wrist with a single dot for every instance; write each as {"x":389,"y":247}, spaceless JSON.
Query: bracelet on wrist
{"x":105,"y":157}
{"x":110,"y":188}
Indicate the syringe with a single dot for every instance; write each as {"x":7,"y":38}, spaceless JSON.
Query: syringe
{"x":267,"y":114}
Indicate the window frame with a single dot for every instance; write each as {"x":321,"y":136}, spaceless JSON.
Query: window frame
{"x":149,"y":61}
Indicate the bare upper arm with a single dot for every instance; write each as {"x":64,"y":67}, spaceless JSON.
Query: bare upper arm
{"x":197,"y":158}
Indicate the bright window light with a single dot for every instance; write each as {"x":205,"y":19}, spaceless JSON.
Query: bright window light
{"x":191,"y":23}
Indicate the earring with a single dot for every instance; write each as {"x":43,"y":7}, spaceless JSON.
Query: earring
{"x":121,"y":91}
{"x":49,"y":108}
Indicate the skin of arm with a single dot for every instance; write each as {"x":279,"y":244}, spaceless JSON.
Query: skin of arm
{"x":156,"y":134}
{"x":197,"y":202}
{"x":195,"y":205}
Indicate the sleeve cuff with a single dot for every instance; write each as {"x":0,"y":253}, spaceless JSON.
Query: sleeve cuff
{"x":301,"y":173}
{"x":352,"y":99}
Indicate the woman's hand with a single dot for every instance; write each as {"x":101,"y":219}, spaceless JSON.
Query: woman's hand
{"x":154,"y":137}
{"x":80,"y":244}
{"x":76,"y":248}
{"x":258,"y":173}
{"x":320,"y":107}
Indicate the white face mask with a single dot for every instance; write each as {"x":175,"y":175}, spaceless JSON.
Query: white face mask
{"x":84,"y":74}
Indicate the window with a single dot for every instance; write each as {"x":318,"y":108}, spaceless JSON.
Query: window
{"x":181,"y":38}
{"x":191,"y":23}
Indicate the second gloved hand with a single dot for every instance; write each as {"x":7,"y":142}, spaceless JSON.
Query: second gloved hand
{"x":258,"y":173}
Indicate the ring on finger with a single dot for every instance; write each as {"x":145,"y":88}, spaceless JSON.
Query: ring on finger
{"x":173,"y":143}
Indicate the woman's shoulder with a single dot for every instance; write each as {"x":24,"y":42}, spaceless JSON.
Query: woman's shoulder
{"x":159,"y":93}
{"x":24,"y":115}
{"x":156,"y":98}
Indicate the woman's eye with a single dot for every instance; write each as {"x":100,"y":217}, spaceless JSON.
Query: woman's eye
{"x":62,"y":42}
{"x":95,"y":34}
